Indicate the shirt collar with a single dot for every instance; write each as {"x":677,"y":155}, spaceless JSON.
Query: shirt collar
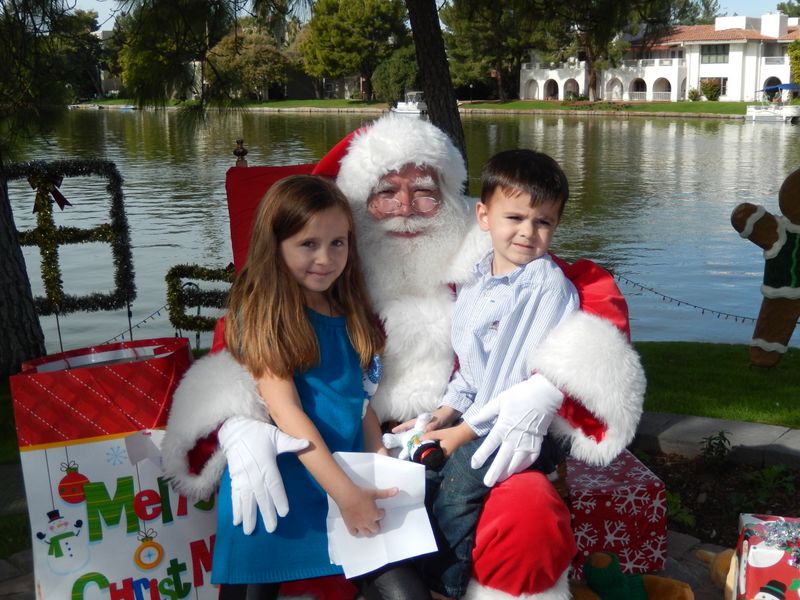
{"x":483,"y":270}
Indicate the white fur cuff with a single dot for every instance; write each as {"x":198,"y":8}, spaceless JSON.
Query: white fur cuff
{"x":214,"y":388}
{"x":592,"y":361}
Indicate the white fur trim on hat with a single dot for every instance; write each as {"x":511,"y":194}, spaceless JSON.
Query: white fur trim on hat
{"x":560,"y":591}
{"x":592,"y":361}
{"x":392,"y":142}
{"x":214,"y":388}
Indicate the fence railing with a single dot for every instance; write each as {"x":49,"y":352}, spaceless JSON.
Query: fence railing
{"x":637,"y":95}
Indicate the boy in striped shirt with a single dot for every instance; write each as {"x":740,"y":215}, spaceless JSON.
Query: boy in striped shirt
{"x":517,"y":295}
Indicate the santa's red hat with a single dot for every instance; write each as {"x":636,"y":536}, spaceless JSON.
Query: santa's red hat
{"x":393,"y":141}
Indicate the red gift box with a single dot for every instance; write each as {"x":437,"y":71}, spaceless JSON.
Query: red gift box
{"x":767,"y":564}
{"x":621,"y":508}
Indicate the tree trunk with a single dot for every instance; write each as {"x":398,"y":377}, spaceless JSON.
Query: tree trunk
{"x":22,"y":337}
{"x":592,"y":82}
{"x":592,"y":71}
{"x":434,"y":71}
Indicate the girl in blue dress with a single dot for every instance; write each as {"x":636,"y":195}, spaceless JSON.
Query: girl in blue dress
{"x":300,"y":321}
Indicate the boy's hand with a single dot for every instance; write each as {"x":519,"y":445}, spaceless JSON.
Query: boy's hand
{"x":524,"y":413}
{"x":451,"y":438}
{"x":360,"y":513}
{"x":441,"y":417}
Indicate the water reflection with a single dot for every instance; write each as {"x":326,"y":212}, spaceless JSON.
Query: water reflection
{"x":650,"y":199}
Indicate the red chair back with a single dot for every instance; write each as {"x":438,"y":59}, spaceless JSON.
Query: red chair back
{"x":245,"y":187}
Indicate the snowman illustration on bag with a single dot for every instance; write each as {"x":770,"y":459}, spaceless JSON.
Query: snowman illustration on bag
{"x":67,"y":550}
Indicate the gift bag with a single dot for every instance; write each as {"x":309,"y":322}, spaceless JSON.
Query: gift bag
{"x":767,"y":561}
{"x":104,"y":521}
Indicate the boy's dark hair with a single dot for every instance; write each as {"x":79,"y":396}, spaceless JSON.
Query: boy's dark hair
{"x":528,"y":171}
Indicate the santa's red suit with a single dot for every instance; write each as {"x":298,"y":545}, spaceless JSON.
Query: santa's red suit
{"x":524,"y":544}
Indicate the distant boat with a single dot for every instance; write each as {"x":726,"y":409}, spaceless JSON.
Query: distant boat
{"x":774,"y":112}
{"x":414,"y":104}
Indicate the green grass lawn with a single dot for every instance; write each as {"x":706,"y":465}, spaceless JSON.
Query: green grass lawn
{"x":719,"y":108}
{"x":685,"y":107}
{"x":716,"y":380}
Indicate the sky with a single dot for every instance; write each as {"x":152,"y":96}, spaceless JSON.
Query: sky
{"x":751,"y":8}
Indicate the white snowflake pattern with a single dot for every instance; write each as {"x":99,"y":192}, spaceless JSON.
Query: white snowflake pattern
{"x":631,"y":500}
{"x":116,"y":455}
{"x":655,"y":550}
{"x":641,"y":473}
{"x":657,"y":509}
{"x":616,"y":534}
{"x":585,"y":536}
{"x":592,"y":480}
{"x":583,"y":501}
{"x":632,"y":560}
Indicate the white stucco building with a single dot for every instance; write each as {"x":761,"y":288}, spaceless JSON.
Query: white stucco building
{"x":745,"y":54}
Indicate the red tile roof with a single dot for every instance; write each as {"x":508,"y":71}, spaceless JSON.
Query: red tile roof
{"x":706,"y":33}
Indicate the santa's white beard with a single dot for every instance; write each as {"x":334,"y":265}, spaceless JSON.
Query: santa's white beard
{"x":409,"y":266}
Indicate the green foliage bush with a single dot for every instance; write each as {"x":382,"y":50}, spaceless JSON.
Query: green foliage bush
{"x":694,"y":95}
{"x":711,"y":88}
{"x":395,"y":75}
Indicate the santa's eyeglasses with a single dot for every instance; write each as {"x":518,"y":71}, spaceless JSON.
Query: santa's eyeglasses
{"x":388,"y":204}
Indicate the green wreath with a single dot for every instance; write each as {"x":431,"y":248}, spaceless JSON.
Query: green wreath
{"x":46,"y":178}
{"x":180,"y":295}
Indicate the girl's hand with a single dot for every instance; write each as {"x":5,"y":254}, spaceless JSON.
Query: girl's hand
{"x":360,"y":513}
{"x":451,"y":438}
{"x":442,"y":417}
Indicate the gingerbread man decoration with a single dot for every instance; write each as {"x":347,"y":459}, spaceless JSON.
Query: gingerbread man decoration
{"x":779,"y":237}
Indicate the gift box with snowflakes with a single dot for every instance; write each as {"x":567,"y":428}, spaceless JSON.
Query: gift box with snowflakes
{"x":767,"y":564}
{"x":621,"y":508}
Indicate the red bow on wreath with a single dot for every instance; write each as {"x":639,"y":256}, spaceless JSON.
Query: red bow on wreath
{"x":49,"y":187}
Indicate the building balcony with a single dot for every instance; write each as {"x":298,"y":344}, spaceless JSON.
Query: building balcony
{"x":654,"y":62}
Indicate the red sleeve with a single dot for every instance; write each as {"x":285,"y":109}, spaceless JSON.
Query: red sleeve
{"x":600,"y":296}
{"x":598,"y":292}
{"x":199,"y":455}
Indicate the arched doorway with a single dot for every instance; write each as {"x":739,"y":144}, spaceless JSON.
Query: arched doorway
{"x":531,"y":90}
{"x":771,"y":81}
{"x":551,"y":90}
{"x":662,"y":89}
{"x":571,"y":89}
{"x":614,"y":89}
{"x":638,"y":89}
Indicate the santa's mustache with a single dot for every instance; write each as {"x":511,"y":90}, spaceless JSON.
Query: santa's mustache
{"x":412,"y":224}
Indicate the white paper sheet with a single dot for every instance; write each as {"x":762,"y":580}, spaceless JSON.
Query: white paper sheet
{"x":405,"y":530}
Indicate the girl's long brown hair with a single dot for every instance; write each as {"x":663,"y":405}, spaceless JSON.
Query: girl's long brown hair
{"x":266,"y":328}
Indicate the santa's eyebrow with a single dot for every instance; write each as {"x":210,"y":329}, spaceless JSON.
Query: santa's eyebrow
{"x":425,"y":182}
{"x":384,"y":186}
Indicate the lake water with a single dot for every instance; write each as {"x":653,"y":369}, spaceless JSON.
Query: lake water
{"x":650,"y":200}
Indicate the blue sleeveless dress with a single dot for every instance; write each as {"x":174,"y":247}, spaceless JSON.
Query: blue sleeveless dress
{"x":332,"y":395}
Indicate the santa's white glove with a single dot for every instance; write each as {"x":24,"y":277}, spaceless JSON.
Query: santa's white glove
{"x":251,"y":447}
{"x":523,"y":412}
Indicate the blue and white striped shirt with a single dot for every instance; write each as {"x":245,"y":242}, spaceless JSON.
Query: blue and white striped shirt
{"x":497,"y":321}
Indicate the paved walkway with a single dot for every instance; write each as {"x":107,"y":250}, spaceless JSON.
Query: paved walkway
{"x":751,"y":444}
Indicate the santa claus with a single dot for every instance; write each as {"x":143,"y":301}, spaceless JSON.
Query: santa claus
{"x":414,"y":261}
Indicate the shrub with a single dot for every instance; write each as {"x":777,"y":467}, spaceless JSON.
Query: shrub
{"x":677,"y":512}
{"x":711,"y":88}
{"x":715,"y":448}
{"x":694,"y":95}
